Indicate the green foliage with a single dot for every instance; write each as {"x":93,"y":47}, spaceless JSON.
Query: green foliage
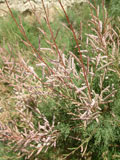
{"x":6,"y":154}
{"x":82,"y":12}
{"x":11,"y":33}
{"x":80,"y":24}
{"x":114,"y":8}
{"x":60,"y":32}
{"x":114,"y":13}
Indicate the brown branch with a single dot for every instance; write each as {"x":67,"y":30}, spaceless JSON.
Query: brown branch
{"x":76,"y":40}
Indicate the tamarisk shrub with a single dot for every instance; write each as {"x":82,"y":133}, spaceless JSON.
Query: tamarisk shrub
{"x":67,"y":107}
